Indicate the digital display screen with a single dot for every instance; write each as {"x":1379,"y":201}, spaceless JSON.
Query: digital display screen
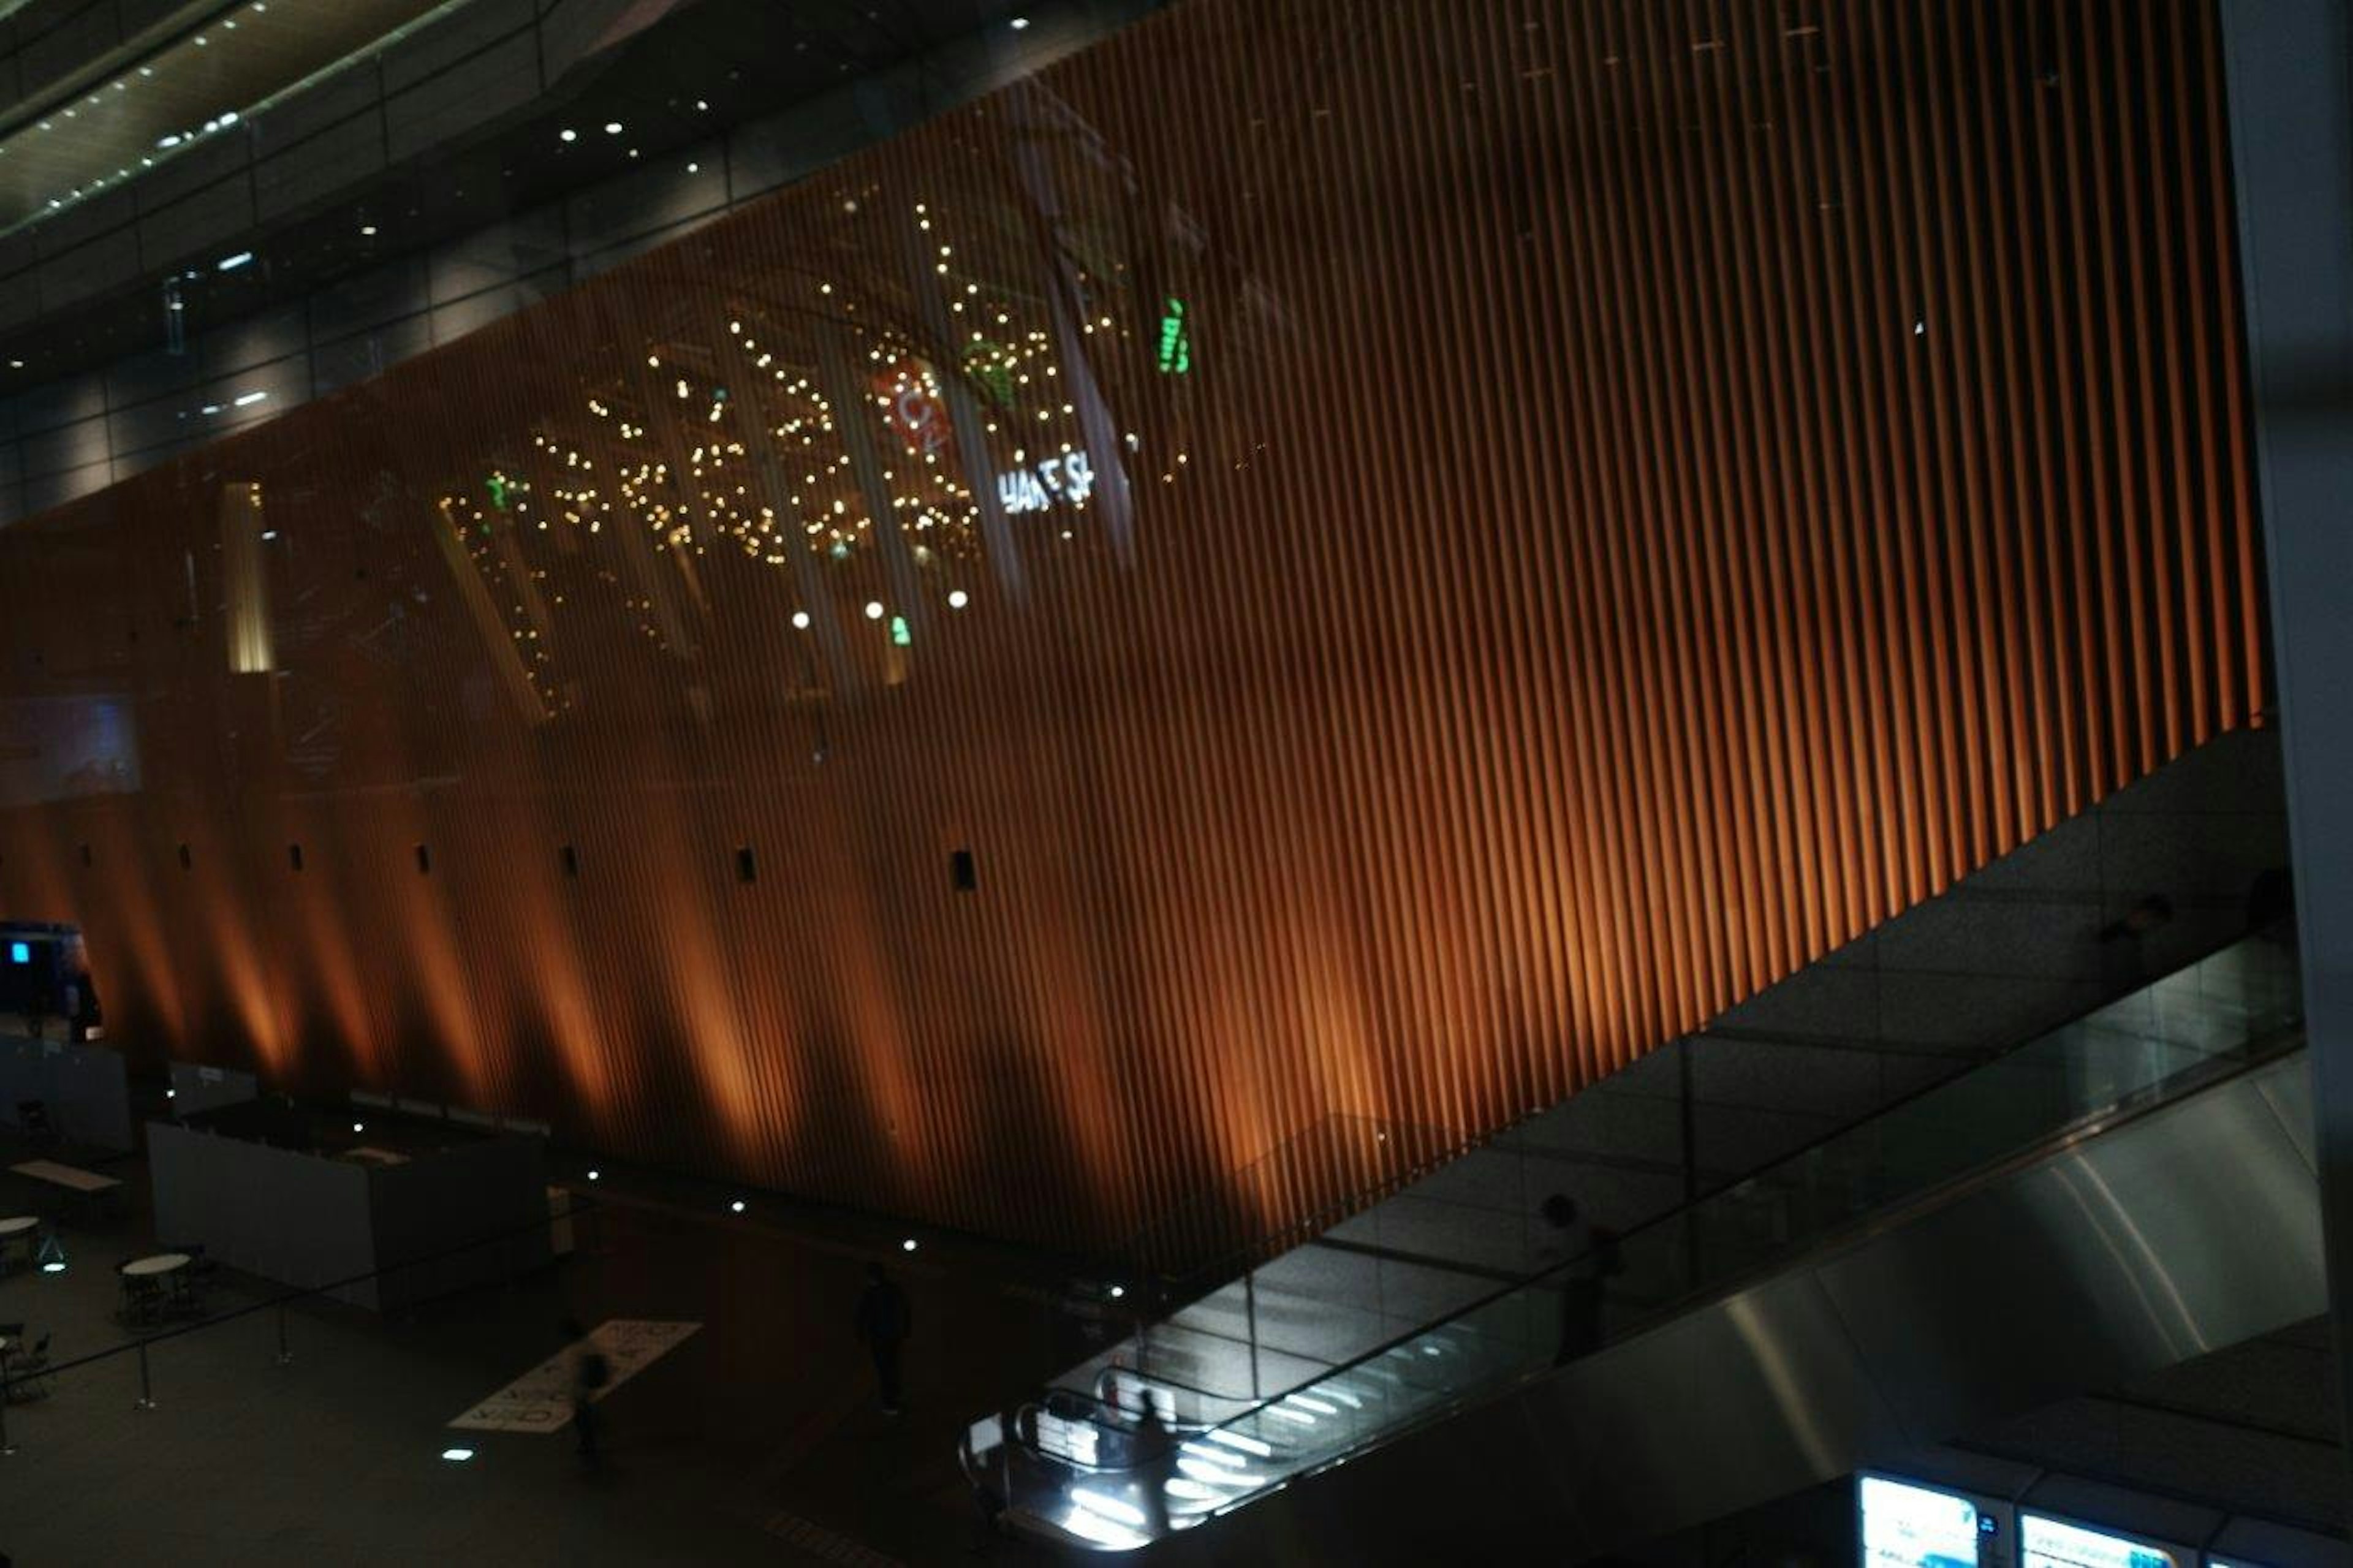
{"x":1905,"y":1525}
{"x":20,"y":953}
{"x":2056,"y":1543}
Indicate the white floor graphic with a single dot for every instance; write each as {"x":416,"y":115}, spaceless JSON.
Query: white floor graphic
{"x":541,"y":1399}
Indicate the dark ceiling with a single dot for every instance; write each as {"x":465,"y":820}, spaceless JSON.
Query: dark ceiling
{"x":676,"y":85}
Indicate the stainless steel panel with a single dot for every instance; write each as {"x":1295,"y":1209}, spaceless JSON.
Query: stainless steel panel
{"x":2189,"y":1230}
{"x":2287,"y":1086}
{"x":1767,"y":1386}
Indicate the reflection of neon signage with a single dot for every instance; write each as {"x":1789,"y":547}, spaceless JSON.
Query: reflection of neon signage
{"x":912,"y":405}
{"x":1070,"y":477}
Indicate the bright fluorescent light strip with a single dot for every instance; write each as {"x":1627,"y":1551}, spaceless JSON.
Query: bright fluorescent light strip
{"x":1246,"y":1445}
{"x":1113,"y":1507}
{"x":231,"y":263}
{"x":1213,"y":1475}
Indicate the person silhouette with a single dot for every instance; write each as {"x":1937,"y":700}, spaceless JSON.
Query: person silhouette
{"x":885,"y":1323}
{"x":590,"y":1372}
{"x":1581,"y":1254}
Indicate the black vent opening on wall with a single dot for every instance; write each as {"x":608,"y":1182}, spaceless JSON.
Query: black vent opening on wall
{"x":294,"y":855}
{"x":423,"y":861}
{"x":747,"y":869}
{"x":187,"y":861}
{"x":569,"y":859}
{"x":963,"y":874}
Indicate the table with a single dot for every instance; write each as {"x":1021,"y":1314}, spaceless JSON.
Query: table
{"x":157,"y":1263}
{"x":73,"y":1178}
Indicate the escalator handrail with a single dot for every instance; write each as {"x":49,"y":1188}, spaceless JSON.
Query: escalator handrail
{"x":1800,"y":1153}
{"x":2105,"y":1119}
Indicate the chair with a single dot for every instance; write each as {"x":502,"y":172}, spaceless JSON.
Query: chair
{"x":203,"y":1271}
{"x":28,"y":1375}
{"x":33,"y":1121}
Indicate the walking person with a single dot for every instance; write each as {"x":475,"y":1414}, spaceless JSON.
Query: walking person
{"x":1152,"y":1460}
{"x":590,"y":1372}
{"x":883,"y":1322}
{"x":1585,"y":1254}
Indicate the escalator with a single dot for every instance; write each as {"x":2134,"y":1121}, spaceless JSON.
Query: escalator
{"x":2125,"y":1192}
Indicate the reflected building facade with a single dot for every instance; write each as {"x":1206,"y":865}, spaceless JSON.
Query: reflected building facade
{"x":1302,"y":562}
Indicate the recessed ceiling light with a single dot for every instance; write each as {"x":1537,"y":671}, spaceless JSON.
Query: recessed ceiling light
{"x":367,"y":231}
{"x":595,"y":1175}
{"x":612,"y":128}
{"x":800,"y":618}
{"x":455,"y":1455}
{"x":737,"y":1206}
{"x":15,"y":364}
{"x":704,"y":107}
{"x":958,"y":598}
{"x":1019,"y":23}
{"x":908,"y":1244}
{"x":567,"y":135}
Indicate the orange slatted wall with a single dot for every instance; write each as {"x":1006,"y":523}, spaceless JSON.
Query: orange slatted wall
{"x":1637,"y":494}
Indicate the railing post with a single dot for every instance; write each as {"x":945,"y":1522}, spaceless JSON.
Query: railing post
{"x":1690,"y":1129}
{"x":1249,"y":1311}
{"x":146,"y":1388}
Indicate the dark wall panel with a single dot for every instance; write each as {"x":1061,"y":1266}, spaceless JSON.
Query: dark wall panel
{"x":1585,"y":508}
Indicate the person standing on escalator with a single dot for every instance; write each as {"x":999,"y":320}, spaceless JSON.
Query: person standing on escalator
{"x":1582,"y":1255}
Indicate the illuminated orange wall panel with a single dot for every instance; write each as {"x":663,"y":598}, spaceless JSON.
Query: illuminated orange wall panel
{"x":1423,"y":549}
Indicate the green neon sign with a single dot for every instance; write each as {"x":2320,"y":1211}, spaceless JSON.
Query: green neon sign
{"x":1176,"y":339}
{"x":901,"y":636}
{"x":498,"y":489}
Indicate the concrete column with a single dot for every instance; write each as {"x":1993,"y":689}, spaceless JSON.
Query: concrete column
{"x":2290,"y":65}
